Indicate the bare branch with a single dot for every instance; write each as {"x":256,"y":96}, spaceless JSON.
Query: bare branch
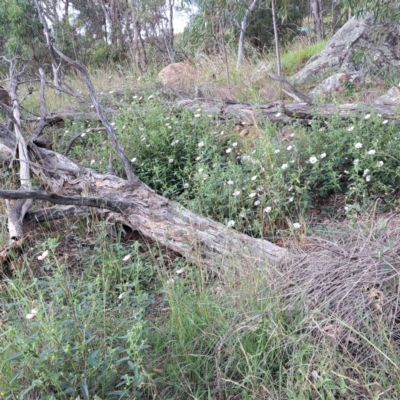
{"x":78,"y":135}
{"x":113,"y":205}
{"x":43,"y":123}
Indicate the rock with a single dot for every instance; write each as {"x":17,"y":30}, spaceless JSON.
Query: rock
{"x":178,"y":76}
{"x":392,"y":97}
{"x":359,"y":51}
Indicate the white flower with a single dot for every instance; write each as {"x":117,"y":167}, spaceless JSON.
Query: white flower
{"x":201,"y":144}
{"x":290,"y":189}
{"x":222,"y":132}
{"x":32,"y":314}
{"x":228,"y":150}
{"x":284,"y":166}
{"x":278,"y":114}
{"x":277,"y":151}
{"x":267,"y":209}
{"x":127,"y":257}
{"x":253,"y":178}
{"x":92,"y":162}
{"x":174,"y":142}
{"x":290,"y":199}
{"x":346,"y":172}
{"x":205,"y":176}
{"x":236,"y":193}
{"x":150,"y":97}
{"x":379,"y":164}
{"x":350,"y":128}
{"x":201,"y":170}
{"x":257,"y":203}
{"x":230,"y":182}
{"x":122,"y":295}
{"x":112,"y":124}
{"x":358,"y":145}
{"x":185,"y":185}
{"x":296,"y":225}
{"x":323,"y":155}
{"x":356,"y":161}
{"x":368,"y":178}
{"x":315,"y":375}
{"x":171,"y":160}
{"x":43,"y":256}
{"x":198,"y":158}
{"x":367,"y":116}
{"x":313,"y":160}
{"x":234,"y":144}
{"x":384,"y":122}
{"x":231,"y":223}
{"x":252,"y":194}
{"x":371,"y":152}
{"x":180,"y":271}
{"x":366,"y":171}
{"x":197,"y":115}
{"x":289,"y":148}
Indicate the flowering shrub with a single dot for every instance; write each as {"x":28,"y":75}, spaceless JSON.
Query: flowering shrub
{"x":257,"y":187}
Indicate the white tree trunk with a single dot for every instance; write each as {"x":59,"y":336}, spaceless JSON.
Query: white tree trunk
{"x":243,"y":28}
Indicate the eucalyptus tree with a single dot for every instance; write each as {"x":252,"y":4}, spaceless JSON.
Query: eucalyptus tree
{"x":20,"y":32}
{"x":383,"y":10}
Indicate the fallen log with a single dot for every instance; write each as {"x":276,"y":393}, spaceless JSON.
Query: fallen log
{"x":200,"y":240}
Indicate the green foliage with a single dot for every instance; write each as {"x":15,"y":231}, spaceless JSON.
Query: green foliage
{"x":292,"y":60}
{"x":87,"y":337}
{"x":382,"y":10}
{"x":290,"y":15}
{"x":19,"y":28}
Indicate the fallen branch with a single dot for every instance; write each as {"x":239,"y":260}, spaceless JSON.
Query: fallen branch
{"x":291,"y":90}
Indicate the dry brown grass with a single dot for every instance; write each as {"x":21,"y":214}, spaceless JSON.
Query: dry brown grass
{"x":348,"y":280}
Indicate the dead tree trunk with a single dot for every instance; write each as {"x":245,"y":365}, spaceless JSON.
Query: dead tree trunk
{"x":17,"y":211}
{"x":200,"y":240}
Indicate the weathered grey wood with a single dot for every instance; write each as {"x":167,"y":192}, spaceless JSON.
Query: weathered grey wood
{"x":291,"y":90}
{"x":17,"y":211}
{"x":200,"y":240}
{"x":42,"y":124}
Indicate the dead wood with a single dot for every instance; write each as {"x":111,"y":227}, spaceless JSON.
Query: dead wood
{"x":200,"y":240}
{"x":291,"y":90}
{"x":43,"y":123}
{"x":17,"y":211}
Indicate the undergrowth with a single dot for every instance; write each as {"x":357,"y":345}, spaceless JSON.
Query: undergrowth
{"x":85,"y":315}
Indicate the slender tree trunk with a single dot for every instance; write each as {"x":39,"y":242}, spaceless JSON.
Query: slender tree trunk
{"x":222,"y":33}
{"x":316,"y":13}
{"x":276,"y":37}
{"x":243,"y":28}
{"x":56,"y":67}
{"x":171,"y":27}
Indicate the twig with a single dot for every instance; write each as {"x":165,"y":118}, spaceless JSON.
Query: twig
{"x":79,"y":135}
{"x":38,"y":130}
